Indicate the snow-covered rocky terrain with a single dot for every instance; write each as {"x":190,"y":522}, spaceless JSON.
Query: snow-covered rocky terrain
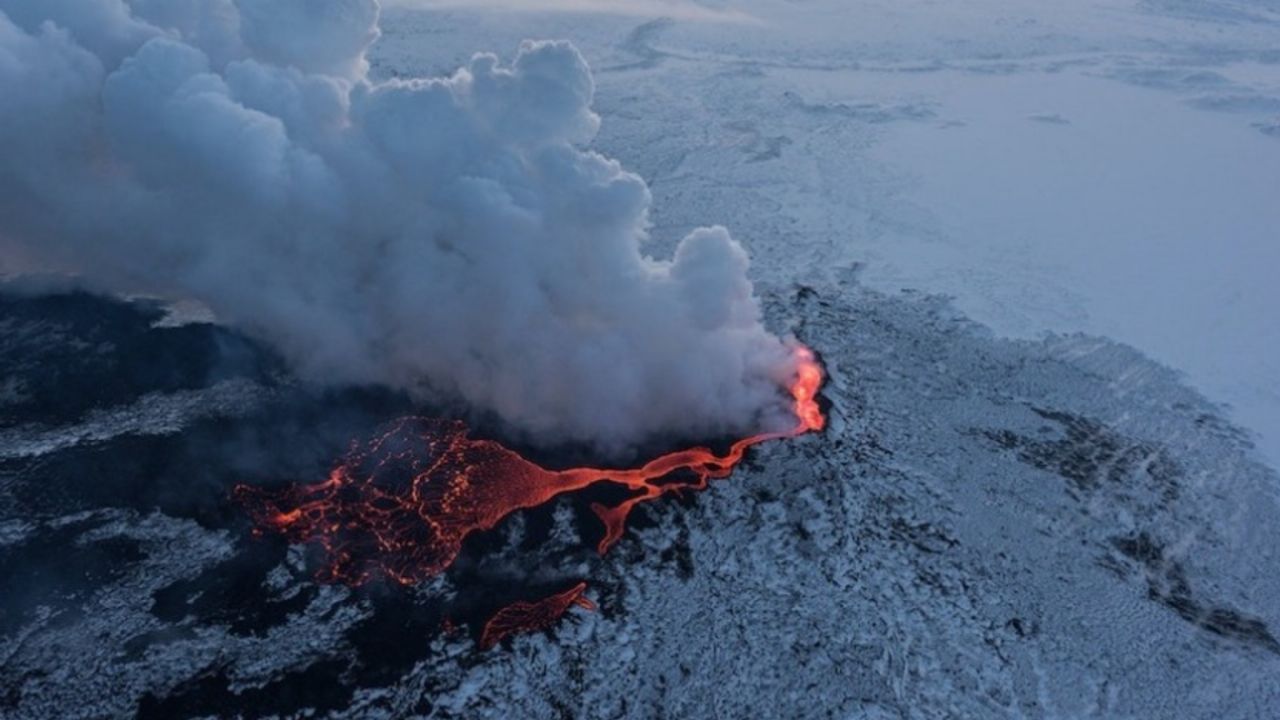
{"x":1022,"y":507}
{"x":988,"y":528}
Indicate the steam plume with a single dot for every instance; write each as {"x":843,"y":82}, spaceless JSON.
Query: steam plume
{"x":452,"y":236}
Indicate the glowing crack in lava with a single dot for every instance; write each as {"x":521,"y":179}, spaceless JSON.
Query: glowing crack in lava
{"x":401,"y":505}
{"x":522,"y":617}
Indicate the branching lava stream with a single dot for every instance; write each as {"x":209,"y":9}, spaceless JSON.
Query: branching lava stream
{"x":371,"y":521}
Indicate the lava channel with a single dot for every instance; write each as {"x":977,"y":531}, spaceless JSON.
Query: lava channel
{"x":371,"y":522}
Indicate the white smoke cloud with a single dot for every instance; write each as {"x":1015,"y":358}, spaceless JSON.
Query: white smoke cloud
{"x":676,"y":9}
{"x":451,"y":236}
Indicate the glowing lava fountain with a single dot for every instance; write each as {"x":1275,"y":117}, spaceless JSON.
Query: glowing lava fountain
{"x":370,"y":521}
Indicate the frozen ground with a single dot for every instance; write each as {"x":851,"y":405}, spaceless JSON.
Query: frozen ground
{"x":1106,"y":166}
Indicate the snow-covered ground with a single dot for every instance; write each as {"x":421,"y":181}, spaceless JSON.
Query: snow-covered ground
{"x":1110,"y":166}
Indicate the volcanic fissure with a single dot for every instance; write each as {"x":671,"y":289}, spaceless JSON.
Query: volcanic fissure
{"x":371,"y":523}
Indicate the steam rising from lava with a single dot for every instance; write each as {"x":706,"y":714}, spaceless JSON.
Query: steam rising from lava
{"x":451,"y":236}
{"x":401,"y":505}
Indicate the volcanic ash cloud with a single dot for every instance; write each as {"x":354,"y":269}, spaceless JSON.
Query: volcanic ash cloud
{"x":451,"y":236}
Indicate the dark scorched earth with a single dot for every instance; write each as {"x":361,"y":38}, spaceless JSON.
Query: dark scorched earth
{"x":988,"y":528}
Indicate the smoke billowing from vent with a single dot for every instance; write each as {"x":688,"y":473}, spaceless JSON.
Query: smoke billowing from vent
{"x":450,"y":236}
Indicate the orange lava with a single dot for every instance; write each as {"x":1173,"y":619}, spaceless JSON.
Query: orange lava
{"x":522,"y":617}
{"x":401,"y":505}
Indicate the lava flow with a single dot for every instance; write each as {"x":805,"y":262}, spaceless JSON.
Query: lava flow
{"x":402,"y":505}
{"x":522,"y":617}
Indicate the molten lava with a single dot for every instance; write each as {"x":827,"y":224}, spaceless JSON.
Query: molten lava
{"x":522,"y":617}
{"x":402,"y":505}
